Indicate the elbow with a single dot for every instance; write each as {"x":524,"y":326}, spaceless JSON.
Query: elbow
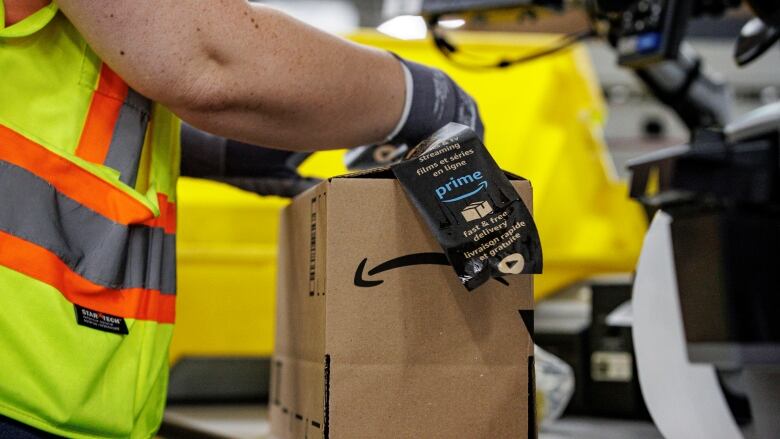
{"x":195,"y":87}
{"x":195,"y":94}
{"x":222,"y":116}
{"x":200,"y":98}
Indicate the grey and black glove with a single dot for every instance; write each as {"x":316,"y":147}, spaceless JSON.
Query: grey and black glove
{"x":433,"y":100}
{"x":263,"y":171}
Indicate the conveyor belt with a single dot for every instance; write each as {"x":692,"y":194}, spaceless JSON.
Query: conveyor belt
{"x":251,"y":422}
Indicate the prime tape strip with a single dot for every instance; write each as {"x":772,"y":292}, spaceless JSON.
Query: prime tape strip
{"x":472,"y":209}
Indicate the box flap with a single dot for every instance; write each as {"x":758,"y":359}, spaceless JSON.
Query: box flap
{"x":384,"y":173}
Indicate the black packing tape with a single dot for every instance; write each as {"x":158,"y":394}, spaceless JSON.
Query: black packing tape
{"x":472,"y":209}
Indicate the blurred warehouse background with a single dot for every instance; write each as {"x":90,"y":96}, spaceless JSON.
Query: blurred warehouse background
{"x":637,"y":123}
{"x":591,"y":244}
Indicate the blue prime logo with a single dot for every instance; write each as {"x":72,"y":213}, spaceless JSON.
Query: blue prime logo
{"x":444,"y":192}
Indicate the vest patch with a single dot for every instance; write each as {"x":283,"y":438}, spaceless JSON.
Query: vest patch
{"x":100,"y":321}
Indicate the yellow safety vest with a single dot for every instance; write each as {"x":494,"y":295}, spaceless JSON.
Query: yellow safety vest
{"x":88,"y":171}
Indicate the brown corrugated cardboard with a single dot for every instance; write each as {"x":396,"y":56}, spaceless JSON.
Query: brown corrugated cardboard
{"x":377,"y":338}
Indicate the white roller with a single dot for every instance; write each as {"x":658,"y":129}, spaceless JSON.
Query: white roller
{"x":685,"y":400}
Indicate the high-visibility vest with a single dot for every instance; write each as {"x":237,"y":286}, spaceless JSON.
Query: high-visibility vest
{"x":88,"y":171}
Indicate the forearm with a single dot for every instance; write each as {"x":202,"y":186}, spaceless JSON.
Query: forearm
{"x":247,"y":72}
{"x":205,"y":155}
{"x":252,"y":168}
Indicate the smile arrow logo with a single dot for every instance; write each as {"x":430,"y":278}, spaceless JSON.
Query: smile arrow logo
{"x":481,"y":186}
{"x":399,"y":262}
{"x":403,"y":261}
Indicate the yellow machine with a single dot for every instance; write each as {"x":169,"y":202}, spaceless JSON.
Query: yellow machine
{"x":544,"y":122}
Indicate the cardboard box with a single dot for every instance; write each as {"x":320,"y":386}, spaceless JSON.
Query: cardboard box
{"x":377,"y":338}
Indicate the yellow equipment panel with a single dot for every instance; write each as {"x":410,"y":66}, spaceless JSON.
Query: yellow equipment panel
{"x":544,"y":122}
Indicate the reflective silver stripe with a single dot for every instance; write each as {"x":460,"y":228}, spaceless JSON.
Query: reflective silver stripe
{"x":124,"y":153}
{"x":104,"y":252}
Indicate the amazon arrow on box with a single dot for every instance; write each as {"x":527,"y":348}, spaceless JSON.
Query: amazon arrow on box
{"x":377,"y":337}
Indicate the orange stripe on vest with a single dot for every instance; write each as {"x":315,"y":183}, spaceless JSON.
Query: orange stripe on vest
{"x":167,"y":218}
{"x":103,"y":114}
{"x":74,"y":181}
{"x":136,"y":303}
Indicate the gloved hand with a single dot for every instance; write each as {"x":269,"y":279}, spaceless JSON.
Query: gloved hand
{"x":433,"y":100}
{"x":436,"y":100}
{"x":263,"y":171}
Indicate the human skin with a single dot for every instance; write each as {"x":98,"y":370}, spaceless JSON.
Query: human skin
{"x":18,"y":10}
{"x":243,"y":71}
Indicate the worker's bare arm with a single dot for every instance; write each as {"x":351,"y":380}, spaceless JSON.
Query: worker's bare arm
{"x":246,"y":71}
